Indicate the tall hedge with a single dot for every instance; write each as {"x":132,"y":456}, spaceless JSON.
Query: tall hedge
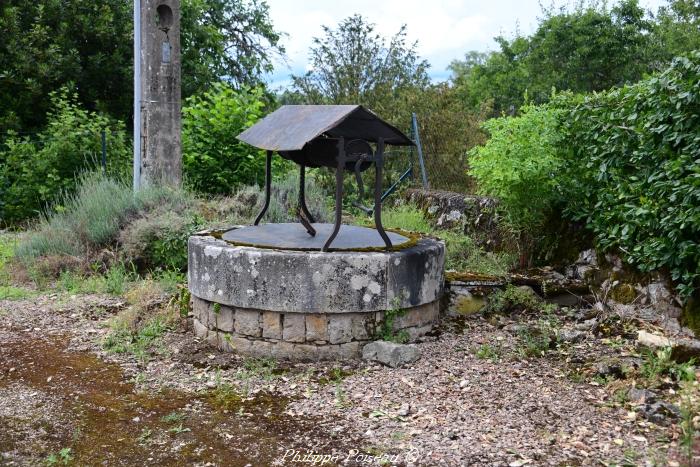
{"x":625,"y":161}
{"x":640,"y":148}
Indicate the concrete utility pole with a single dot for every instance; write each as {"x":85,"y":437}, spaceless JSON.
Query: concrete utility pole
{"x":157,"y":145}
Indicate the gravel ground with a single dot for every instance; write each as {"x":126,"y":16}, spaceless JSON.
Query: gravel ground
{"x":472,"y":398}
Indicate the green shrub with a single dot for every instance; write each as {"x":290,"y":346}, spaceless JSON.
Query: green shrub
{"x":35,"y":172}
{"x":514,"y":299}
{"x":214,"y":160}
{"x":623,"y":161}
{"x":522,"y":165}
{"x":83,"y":221}
{"x":158,"y":240}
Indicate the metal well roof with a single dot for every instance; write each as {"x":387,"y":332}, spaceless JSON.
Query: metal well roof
{"x":290,"y":127}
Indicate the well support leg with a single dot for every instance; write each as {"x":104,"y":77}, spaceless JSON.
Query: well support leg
{"x":379,"y":165}
{"x":268,"y":182}
{"x":305,"y":216}
{"x":338,"y":194}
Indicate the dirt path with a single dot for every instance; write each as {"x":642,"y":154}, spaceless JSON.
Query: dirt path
{"x":472,"y":399}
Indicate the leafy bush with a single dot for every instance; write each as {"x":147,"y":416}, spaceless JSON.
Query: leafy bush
{"x":37,"y":171}
{"x":522,"y":166}
{"x":159,"y":239}
{"x":639,"y":149}
{"x":214,"y":160}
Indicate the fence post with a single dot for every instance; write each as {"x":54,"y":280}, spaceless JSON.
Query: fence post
{"x":416,"y":135}
{"x":104,"y":152}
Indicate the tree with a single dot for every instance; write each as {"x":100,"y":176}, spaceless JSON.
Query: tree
{"x":354,"y":65}
{"x":226,"y":40}
{"x":87,"y":46}
{"x":678,"y":28}
{"x":588,"y":49}
{"x":53,"y":43}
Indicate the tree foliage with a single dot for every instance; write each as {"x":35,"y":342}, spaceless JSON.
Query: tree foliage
{"x":353,"y":64}
{"x":46,"y":45}
{"x":88,"y":46}
{"x":522,"y":165}
{"x":226,"y":40}
{"x":591,"y":48}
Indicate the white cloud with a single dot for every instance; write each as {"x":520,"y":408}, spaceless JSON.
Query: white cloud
{"x":444,"y":29}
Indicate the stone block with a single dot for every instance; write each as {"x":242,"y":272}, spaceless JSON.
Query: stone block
{"x":418,"y":316}
{"x":391,"y":354}
{"x":199,"y":309}
{"x":271,"y":325}
{"x":294,"y":327}
{"x":213,"y":338}
{"x":349,"y":350}
{"x":239,"y":345}
{"x":339,"y":329}
{"x":362,"y":326}
{"x":224,"y":319}
{"x":200,"y":330}
{"x":225,"y":342}
{"x":259,"y":348}
{"x":247,"y":323}
{"x":316,"y":328}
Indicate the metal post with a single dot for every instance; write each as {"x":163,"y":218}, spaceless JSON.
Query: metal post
{"x":414,"y":122}
{"x":137,"y":94}
{"x":268,"y":183}
{"x":379,"y":165}
{"x":104,"y":152}
{"x":338,"y":193}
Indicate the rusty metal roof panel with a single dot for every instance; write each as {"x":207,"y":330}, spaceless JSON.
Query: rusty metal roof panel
{"x":290,"y":127}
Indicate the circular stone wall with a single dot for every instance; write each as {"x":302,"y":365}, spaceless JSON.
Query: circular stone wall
{"x":310,"y":305}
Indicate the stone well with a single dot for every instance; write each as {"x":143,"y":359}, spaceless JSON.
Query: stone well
{"x":284,"y":302}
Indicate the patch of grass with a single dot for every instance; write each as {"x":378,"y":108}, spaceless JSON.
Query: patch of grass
{"x":138,"y":340}
{"x":406,"y":217}
{"x":516,"y":299}
{"x":262,"y":367}
{"x":63,"y":457}
{"x":117,"y":278}
{"x":9,"y":292}
{"x":488,"y":352}
{"x":178,"y":429}
{"x":656,"y":364}
{"x":462,"y":253}
{"x":173,"y":418}
{"x":538,"y":337}
{"x":690,"y":421}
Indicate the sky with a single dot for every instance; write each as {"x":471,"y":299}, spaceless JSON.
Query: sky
{"x":444,"y":29}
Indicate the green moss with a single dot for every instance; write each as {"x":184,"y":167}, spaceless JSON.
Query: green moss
{"x":413,"y":238}
{"x":690,"y":316}
{"x":469,"y":305}
{"x":470,"y":276}
{"x":623,"y":293}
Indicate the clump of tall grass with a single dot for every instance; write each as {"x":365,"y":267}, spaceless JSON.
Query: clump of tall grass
{"x":89,"y":219}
